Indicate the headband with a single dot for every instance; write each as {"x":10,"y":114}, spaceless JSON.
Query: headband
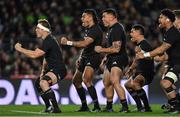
{"x":43,"y":27}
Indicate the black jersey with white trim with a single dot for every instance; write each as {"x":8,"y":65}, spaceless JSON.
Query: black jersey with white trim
{"x":95,"y":32}
{"x":147,"y":64}
{"x":172,"y":36}
{"x":53,"y":52}
{"x":117,"y":33}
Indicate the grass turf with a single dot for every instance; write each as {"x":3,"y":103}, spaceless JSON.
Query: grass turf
{"x":69,"y":110}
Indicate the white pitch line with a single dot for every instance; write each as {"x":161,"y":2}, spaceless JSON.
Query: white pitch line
{"x":30,"y":112}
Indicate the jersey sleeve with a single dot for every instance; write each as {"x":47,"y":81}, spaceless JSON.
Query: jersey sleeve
{"x":145,"y":46}
{"x":92,"y":34}
{"x":96,"y":35}
{"x":117,"y":34}
{"x":172,"y":37}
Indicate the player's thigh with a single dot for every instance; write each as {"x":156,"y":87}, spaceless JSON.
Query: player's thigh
{"x":88,"y":73}
{"x":116,"y":74}
{"x":139,"y":80}
{"x":106,"y":77}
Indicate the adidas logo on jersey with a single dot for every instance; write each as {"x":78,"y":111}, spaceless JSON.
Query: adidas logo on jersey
{"x":114,"y":63}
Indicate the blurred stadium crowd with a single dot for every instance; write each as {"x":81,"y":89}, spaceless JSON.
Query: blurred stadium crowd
{"x":18,"y":19}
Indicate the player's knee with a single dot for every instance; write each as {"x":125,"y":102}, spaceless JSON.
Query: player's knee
{"x":87,"y":81}
{"x":136,"y":87}
{"x":127,"y":85}
{"x":135,"y":83}
{"x":171,"y":76}
{"x":45,"y":81}
{"x":115,"y":83}
{"x":169,"y":90}
{"x":166,"y":82}
{"x":162,"y":83}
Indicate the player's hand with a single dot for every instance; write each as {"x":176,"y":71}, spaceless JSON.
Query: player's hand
{"x":137,"y":49}
{"x":140,"y":55}
{"x":64,"y":40}
{"x":98,"y":49}
{"x":157,"y":58}
{"x":18,"y":46}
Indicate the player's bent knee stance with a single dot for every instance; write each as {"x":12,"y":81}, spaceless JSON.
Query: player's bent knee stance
{"x":172,"y":74}
{"x":37,"y":85}
{"x":48,"y":79}
{"x":169,"y":90}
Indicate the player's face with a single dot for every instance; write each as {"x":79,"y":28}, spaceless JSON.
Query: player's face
{"x":38,"y":32}
{"x":85,"y":19}
{"x":133,"y":34}
{"x":106,"y":18}
{"x":177,"y":23}
{"x":162,"y":21}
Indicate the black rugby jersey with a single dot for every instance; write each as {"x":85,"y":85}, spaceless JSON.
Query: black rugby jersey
{"x":96,"y":33}
{"x":145,"y":65}
{"x":172,"y":36}
{"x":53,"y":53}
{"x":117,"y":33}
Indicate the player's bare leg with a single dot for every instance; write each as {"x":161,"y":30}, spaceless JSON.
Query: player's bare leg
{"x":109,"y":91}
{"x":116,"y":74}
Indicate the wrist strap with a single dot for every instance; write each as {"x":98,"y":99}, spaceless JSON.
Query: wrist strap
{"x":69,"y":43}
{"x":147,"y":54}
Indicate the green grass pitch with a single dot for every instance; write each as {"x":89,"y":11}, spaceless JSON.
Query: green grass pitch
{"x":69,"y":111}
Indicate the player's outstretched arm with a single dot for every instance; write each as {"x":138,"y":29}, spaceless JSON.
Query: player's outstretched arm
{"x":81,"y":44}
{"x":29,"y":53}
{"x":158,"y":51}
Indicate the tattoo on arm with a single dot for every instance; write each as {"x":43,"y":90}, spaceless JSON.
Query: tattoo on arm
{"x":83,"y":43}
{"x":117,"y":45}
{"x":161,"y":49}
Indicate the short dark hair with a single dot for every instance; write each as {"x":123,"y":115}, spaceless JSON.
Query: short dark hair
{"x":111,"y":11}
{"x":45,"y":23}
{"x":177,"y":13}
{"x":139,"y":27}
{"x":93,"y":13}
{"x":169,"y":14}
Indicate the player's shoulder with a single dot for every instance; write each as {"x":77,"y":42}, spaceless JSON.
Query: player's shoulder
{"x":118,"y":27}
{"x":173,"y":30}
{"x":145,"y":44}
{"x":96,"y":28}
